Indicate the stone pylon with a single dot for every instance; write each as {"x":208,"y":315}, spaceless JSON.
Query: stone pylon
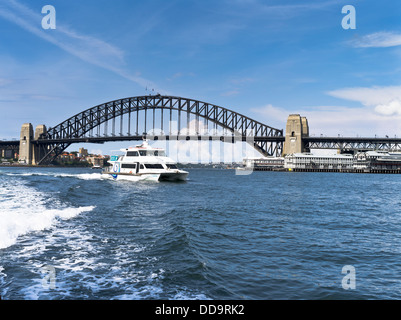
{"x":30,"y":152}
{"x":38,"y":151}
{"x":296,"y":129}
{"x":25,"y":145}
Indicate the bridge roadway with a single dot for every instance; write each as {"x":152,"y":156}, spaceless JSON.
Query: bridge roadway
{"x":100,"y":140}
{"x":223,"y":138}
{"x":352,"y":143}
{"x":343,"y":143}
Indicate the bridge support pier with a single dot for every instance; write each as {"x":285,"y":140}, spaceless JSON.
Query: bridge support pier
{"x":25,"y":145}
{"x":38,"y":151}
{"x":297,"y":128}
{"x":29,"y":152}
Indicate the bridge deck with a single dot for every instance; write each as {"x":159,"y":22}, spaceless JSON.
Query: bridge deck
{"x":322,"y":142}
{"x":352,"y":139}
{"x":356,"y":143}
{"x":225,"y":138}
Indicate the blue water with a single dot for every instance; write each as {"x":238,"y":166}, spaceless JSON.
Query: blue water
{"x":267,"y":235}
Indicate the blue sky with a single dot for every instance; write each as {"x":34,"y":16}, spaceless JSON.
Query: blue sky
{"x":265,"y":59}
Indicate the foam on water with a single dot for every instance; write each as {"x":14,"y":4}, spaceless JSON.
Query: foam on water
{"x":82,"y":176}
{"x":24,"y":209}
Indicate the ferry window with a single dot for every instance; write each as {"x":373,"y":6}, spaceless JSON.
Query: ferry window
{"x":153,"y":166}
{"x":172,"y":166}
{"x":128,"y":166}
{"x":159,"y":153}
{"x":132,"y":154}
{"x":156,"y":153}
{"x":142,"y":153}
{"x":141,"y":166}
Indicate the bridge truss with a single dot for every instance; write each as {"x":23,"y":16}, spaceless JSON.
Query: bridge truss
{"x":158,"y":117}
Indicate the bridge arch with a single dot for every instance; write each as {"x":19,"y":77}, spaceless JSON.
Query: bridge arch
{"x":266,"y":139}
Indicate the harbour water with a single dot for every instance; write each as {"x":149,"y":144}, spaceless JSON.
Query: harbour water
{"x":66,"y":233}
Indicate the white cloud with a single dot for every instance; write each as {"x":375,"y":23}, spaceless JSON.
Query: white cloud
{"x":346,"y":121}
{"x":89,"y":49}
{"x":335,"y":120}
{"x":368,"y":96}
{"x":378,"y":40}
{"x":380,"y":112}
{"x":392,"y":108}
{"x":274,"y":112}
{"x":385,"y":100}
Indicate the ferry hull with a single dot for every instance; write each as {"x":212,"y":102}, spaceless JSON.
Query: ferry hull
{"x":165,"y":176}
{"x":173,"y":176}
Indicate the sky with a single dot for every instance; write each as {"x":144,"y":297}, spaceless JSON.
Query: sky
{"x":265,"y":59}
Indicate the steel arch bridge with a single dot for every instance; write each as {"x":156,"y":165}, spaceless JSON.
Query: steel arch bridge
{"x":158,"y":117}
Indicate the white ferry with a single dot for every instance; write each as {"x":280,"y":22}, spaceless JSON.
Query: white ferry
{"x":144,"y":163}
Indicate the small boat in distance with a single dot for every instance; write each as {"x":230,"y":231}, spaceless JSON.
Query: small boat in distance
{"x":144,"y":163}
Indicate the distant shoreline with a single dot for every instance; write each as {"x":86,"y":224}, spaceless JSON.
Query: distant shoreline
{"x":38,"y":166}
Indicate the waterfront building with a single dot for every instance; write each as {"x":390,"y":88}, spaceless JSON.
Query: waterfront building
{"x":263,"y":163}
{"x":313,"y":162}
{"x":361,"y":162}
{"x":83,"y":152}
{"x":378,"y":161}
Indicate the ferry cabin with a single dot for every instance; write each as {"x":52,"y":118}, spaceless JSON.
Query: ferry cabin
{"x":137,"y":160}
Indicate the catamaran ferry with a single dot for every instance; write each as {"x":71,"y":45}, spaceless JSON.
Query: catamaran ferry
{"x":144,"y":163}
